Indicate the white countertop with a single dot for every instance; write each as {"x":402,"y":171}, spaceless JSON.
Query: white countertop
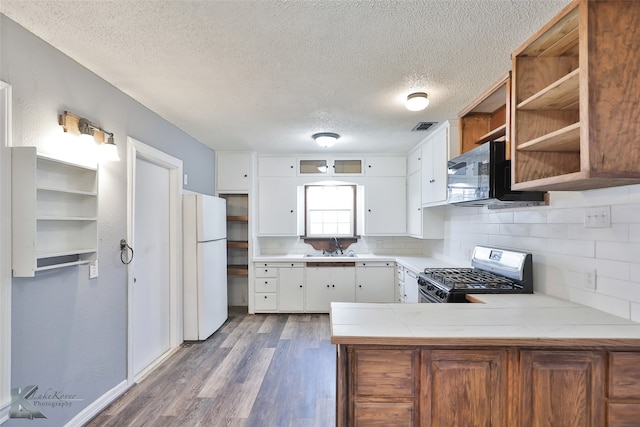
{"x":304,"y":258}
{"x":501,"y":320}
{"x":415,"y":263}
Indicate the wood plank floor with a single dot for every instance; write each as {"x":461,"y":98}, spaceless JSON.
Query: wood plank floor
{"x":261,"y":370}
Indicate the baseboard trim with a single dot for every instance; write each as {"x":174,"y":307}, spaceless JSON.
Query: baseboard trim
{"x":98,"y":405}
{"x":159,"y":361}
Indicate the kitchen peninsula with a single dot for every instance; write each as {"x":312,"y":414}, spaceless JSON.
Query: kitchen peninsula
{"x":507,"y":360}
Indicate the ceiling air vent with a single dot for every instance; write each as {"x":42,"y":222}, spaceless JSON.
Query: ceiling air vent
{"x":423,"y":126}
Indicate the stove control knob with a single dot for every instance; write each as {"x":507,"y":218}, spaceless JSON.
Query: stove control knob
{"x":429,"y":287}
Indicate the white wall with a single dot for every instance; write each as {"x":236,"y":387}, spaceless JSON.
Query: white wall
{"x":563,"y":249}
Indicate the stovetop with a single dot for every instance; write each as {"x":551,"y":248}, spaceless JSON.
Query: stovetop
{"x":494,"y":270}
{"x":470,"y":278}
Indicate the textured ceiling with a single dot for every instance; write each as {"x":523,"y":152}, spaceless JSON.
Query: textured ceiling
{"x":265,"y":75}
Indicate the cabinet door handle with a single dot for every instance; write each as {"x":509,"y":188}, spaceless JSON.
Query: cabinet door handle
{"x":291,"y":210}
{"x":328,"y":286}
{"x":432,"y":180}
{"x":300,"y":285}
{"x":359,"y":286}
{"x":265,"y":297}
{"x":266,"y":282}
{"x":245,"y":175}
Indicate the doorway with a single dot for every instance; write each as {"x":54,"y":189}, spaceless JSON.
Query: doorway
{"x":154,"y":274}
{"x":5,"y":250}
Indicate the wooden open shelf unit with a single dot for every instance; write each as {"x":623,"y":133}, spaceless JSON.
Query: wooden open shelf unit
{"x":576,"y":124}
{"x":237,"y":235}
{"x":487,"y":117}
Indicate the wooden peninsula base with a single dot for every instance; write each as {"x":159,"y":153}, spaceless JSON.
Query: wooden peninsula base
{"x":488,"y":380}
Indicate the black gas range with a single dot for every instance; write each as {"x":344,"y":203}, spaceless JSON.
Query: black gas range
{"x":493,"y":271}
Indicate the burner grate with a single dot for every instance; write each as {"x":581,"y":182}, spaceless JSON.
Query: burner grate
{"x":470,"y":278}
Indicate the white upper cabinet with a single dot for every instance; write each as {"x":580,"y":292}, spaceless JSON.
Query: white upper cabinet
{"x":385,"y":166}
{"x":233,"y":171}
{"x":325,"y":166}
{"x":414,"y":160}
{"x":385,"y":206}
{"x":277,"y":166}
{"x":414,"y":204}
{"x":277,"y":206}
{"x":437,"y":149}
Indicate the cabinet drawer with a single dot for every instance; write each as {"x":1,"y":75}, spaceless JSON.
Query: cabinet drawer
{"x":265,"y":302}
{"x":624,"y":376}
{"x":374,"y":264}
{"x":371,"y":414}
{"x":266,"y":271}
{"x":266,"y":284}
{"x":384,"y":373}
{"x":623,"y":414}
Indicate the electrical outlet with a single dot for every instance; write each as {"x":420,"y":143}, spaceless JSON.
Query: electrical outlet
{"x":590,"y":279}
{"x":185,"y":180}
{"x":93,"y":270}
{"x":597,"y":217}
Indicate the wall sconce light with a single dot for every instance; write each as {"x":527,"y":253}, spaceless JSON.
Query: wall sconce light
{"x":417,"y":101}
{"x":90,"y":131}
{"x":325,"y":139}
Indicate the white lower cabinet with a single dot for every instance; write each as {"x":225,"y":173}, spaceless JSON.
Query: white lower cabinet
{"x":411,"y":286}
{"x":326,"y":284}
{"x":312,"y":287}
{"x":265,"y":302}
{"x":401,"y":296}
{"x":265,"y":287}
{"x":375,"y":281}
{"x":291,"y":288}
{"x":278,"y":287}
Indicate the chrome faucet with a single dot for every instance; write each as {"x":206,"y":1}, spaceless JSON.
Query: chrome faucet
{"x":337,"y":245}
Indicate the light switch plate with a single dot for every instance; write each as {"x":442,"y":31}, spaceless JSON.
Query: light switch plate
{"x":597,"y":217}
{"x":93,"y":270}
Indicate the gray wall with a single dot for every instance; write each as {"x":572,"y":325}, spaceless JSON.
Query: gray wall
{"x":69,"y":332}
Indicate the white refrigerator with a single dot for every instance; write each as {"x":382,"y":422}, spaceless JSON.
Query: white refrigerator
{"x":205,"y":265}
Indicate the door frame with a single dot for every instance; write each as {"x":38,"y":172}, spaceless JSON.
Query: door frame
{"x":137,"y":149}
{"x":5,"y":251}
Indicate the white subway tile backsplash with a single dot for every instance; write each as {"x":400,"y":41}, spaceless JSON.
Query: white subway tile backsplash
{"x":514,"y":229}
{"x":566,"y":216}
{"x":563,"y":249}
{"x":617,"y":288}
{"x":550,"y":231}
{"x":616,"y":306}
{"x":634,"y":233}
{"x":615,"y":233}
{"x":626,"y":214}
{"x":619,"y":251}
{"x":534,"y":216}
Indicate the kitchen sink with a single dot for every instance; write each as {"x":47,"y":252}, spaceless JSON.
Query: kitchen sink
{"x":350,"y":255}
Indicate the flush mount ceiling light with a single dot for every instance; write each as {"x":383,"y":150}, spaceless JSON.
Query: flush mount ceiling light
{"x":90,"y":131}
{"x":325,"y":139}
{"x":417,"y":101}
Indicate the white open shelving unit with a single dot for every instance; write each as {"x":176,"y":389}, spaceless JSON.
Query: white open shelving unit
{"x":54,"y":213}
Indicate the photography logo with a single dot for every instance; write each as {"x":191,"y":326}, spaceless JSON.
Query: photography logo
{"x":26,"y":402}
